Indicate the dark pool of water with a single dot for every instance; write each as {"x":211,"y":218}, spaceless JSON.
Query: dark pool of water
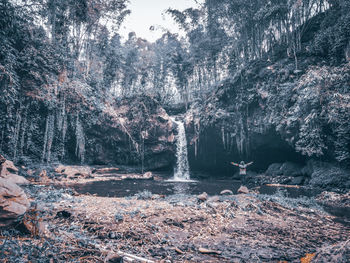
{"x":163,"y":187}
{"x":131,"y":187}
{"x":125,"y":188}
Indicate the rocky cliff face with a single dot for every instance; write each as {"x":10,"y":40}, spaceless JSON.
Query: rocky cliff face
{"x":269,"y":112}
{"x":135,"y":131}
{"x":70,"y":124}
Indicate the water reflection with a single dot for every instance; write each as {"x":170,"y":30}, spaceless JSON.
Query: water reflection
{"x":181,"y":188}
{"x":122,"y":188}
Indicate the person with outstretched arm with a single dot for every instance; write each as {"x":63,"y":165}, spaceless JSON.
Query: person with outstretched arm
{"x":242,"y":169}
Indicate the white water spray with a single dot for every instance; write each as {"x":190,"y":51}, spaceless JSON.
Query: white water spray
{"x":80,"y":140}
{"x":182,"y":170}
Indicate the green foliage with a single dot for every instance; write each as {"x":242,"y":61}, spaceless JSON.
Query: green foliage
{"x":334,"y":34}
{"x":25,"y":60}
{"x":313,"y":113}
{"x":75,"y":59}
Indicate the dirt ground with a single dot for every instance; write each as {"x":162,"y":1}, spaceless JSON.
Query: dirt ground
{"x":180,"y":228}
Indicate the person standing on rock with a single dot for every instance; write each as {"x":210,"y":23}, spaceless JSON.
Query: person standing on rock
{"x":242,"y":169}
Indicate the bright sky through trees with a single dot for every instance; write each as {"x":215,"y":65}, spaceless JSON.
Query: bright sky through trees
{"x":147,"y":13}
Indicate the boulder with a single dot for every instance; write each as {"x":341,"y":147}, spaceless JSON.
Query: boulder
{"x":73,"y":171}
{"x":291,"y":169}
{"x":285,"y":169}
{"x":226,"y":192}
{"x":9,"y":172}
{"x":13,"y":202}
{"x":274,"y":169}
{"x":243,"y":190}
{"x":297,"y":180}
{"x":203,"y":197}
{"x":8,"y":167}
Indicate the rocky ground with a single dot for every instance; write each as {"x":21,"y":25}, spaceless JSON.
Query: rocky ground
{"x":62,"y":226}
{"x":66,"y":175}
{"x":46,"y":221}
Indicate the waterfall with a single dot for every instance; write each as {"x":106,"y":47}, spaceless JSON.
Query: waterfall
{"x":182,"y":170}
{"x":80,"y":140}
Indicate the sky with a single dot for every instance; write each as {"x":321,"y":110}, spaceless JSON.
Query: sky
{"x":147,"y":13}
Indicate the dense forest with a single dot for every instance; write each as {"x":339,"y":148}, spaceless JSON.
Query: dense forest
{"x":269,"y":65}
{"x":227,"y":141}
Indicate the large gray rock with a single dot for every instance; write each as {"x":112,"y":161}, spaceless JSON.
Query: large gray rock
{"x":328,"y":176}
{"x":13,"y":202}
{"x":291,"y":169}
{"x":297,"y":180}
{"x":9,"y":172}
{"x":71,"y":171}
{"x":274,"y":169}
{"x":285,"y":169}
{"x":226,"y":192}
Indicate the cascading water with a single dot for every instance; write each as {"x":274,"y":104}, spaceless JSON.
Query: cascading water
{"x":182,"y":170}
{"x":80,"y":140}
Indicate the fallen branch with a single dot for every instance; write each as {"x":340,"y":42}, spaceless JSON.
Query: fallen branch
{"x":208,"y":251}
{"x":179,"y":251}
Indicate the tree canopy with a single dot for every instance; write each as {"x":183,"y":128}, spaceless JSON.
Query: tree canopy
{"x":50,"y":46}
